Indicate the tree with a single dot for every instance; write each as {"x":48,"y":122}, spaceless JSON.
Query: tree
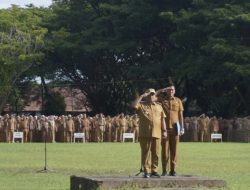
{"x":114,"y":49}
{"x":21,"y":44}
{"x":99,"y":46}
{"x":211,"y":54}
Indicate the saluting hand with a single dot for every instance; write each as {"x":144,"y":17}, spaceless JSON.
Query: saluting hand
{"x":145,"y":94}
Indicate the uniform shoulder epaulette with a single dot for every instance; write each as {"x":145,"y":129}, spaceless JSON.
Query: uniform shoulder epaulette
{"x":176,"y":98}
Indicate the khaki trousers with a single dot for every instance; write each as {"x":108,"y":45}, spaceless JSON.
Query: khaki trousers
{"x":169,"y":150}
{"x":149,"y":153}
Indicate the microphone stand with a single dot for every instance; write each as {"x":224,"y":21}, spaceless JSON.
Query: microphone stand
{"x":45,"y":169}
{"x":141,"y":170}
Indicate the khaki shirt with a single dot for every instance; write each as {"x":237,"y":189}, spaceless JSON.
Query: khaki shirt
{"x":135,"y":122}
{"x":172,"y":108}
{"x":11,"y":124}
{"x":70,"y":126}
{"x":85,"y":123}
{"x":100,"y":121}
{"x":123,"y":122}
{"x":202,"y":122}
{"x":150,"y":118}
{"x":24,"y":124}
{"x":214,"y":125}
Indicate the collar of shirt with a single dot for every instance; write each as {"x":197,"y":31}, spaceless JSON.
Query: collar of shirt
{"x":170,"y":98}
{"x":150,"y":103}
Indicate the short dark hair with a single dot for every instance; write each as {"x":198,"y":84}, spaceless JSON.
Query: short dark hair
{"x":169,"y":82}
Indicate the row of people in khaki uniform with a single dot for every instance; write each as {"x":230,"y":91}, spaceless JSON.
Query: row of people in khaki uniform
{"x":200,"y":128}
{"x":111,"y":129}
{"x":61,"y":128}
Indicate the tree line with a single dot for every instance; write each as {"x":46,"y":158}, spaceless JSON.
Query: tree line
{"x":114,"y":49}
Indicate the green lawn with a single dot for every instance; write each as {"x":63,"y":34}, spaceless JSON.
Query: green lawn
{"x":20,"y":163}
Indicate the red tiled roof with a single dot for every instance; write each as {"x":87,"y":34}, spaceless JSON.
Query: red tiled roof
{"x":75,"y":101}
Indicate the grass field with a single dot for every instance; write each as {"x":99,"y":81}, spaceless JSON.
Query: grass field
{"x":20,"y":163}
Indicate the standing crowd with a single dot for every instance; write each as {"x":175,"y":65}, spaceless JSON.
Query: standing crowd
{"x":200,"y":128}
{"x":61,"y":128}
{"x":110,"y":129}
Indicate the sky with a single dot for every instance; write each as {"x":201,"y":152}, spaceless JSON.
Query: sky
{"x":7,"y":3}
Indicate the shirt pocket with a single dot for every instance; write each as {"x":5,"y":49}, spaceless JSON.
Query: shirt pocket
{"x":175,"y":106}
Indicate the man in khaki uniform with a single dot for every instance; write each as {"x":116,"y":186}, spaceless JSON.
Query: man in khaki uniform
{"x":92,"y":131}
{"x":108,"y":129}
{"x":57,"y":128}
{"x":100,"y":124}
{"x":61,"y":128}
{"x":23,"y":127}
{"x":85,"y":123}
{"x":193,"y":129}
{"x":10,"y":126}
{"x":2,"y":134}
{"x":52,"y":129}
{"x":173,"y":109}
{"x":44,"y":128}
{"x":70,"y":128}
{"x":130,"y":124}
{"x":31,"y":126}
{"x":78,"y":123}
{"x":213,"y":125}
{"x":123,"y":123}
{"x":151,"y":122}
{"x":18,"y":121}
{"x":38,"y":128}
{"x":135,"y":126}
{"x":203,"y":131}
{"x":186,"y":137}
{"x":115,"y":128}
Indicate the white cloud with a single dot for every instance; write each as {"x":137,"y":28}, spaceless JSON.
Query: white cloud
{"x":7,"y":3}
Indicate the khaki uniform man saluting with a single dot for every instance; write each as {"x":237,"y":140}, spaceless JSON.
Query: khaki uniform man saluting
{"x":151,"y":122}
{"x":203,"y":128}
{"x":173,"y":109}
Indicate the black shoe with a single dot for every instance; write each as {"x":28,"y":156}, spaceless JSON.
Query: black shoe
{"x":164,"y":174}
{"x":172,"y":173}
{"x":146,"y":175}
{"x":154,"y":174}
